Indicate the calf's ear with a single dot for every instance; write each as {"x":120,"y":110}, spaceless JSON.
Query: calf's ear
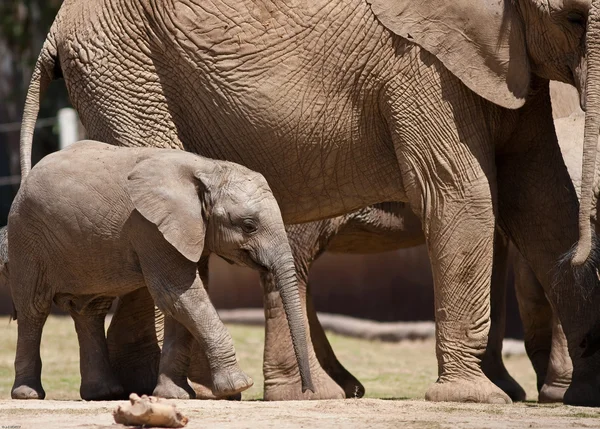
{"x":166,"y":189}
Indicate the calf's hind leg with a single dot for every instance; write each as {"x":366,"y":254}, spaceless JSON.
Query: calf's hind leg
{"x":32,"y":312}
{"x":28,"y":363}
{"x":98,"y":381}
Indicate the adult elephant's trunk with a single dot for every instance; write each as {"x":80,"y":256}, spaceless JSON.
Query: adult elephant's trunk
{"x":284,"y":274}
{"x":590,"y":141}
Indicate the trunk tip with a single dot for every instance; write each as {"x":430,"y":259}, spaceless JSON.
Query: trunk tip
{"x":582,"y":252}
{"x":308,"y":386}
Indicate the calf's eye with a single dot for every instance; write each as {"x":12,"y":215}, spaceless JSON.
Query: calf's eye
{"x":249,"y":226}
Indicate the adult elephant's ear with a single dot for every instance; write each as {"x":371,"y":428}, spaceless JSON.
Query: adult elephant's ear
{"x":482,"y":42}
{"x":166,"y":191}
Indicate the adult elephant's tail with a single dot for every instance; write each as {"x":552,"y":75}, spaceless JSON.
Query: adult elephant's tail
{"x":46,"y":69}
{"x":592,"y":129}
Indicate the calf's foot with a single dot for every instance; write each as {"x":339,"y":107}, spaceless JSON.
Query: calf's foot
{"x":231,"y":381}
{"x":102,"y":391}
{"x":204,"y":392}
{"x":28,"y":391}
{"x":171,"y":388}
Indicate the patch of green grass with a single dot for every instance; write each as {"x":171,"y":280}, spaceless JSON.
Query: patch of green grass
{"x":387,"y":370}
{"x":60,"y":358}
{"x":585,"y":415}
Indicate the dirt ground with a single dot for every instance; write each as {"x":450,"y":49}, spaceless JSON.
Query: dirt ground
{"x":395,"y":375}
{"x":351,"y":413}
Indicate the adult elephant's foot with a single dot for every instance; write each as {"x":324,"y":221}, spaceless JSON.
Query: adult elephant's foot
{"x":25,"y":391}
{"x":480,"y":390}
{"x":286,"y":385}
{"x":105,"y":390}
{"x":230,"y":381}
{"x":509,"y":386}
{"x":280,"y":368}
{"x":585,"y":394}
{"x":350,"y":385}
{"x":550,"y":393}
{"x":495,"y":370}
{"x":171,"y":388}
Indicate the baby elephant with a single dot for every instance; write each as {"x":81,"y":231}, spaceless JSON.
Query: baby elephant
{"x":95,"y":221}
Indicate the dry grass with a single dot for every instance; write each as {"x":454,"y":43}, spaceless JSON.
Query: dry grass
{"x":387,"y":370}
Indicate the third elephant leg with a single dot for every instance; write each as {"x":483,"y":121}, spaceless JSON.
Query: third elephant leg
{"x":327,"y":358}
{"x":538,"y":209}
{"x":492,"y":363}
{"x":133,"y":342}
{"x":545,"y":340}
{"x":282,"y":377}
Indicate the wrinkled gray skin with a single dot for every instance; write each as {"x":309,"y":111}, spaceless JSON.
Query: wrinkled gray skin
{"x":545,"y":342}
{"x":94,"y":221}
{"x":348,"y":103}
{"x":3,"y":258}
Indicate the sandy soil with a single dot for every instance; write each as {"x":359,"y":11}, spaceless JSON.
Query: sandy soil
{"x":352,"y":413}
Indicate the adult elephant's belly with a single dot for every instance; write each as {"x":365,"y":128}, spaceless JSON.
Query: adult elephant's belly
{"x":317,"y":163}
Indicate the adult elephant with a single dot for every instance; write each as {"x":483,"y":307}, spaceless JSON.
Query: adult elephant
{"x":342,"y":104}
{"x":392,"y":226}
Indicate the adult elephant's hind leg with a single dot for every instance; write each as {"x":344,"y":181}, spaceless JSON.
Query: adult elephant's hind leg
{"x":492,"y":363}
{"x":449,"y":177}
{"x":174,"y":362}
{"x":545,"y":340}
{"x":326,"y":356}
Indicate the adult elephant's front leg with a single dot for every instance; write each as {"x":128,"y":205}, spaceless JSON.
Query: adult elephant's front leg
{"x":449,"y":177}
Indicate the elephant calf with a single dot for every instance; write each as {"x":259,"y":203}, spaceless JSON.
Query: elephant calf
{"x":95,"y":221}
